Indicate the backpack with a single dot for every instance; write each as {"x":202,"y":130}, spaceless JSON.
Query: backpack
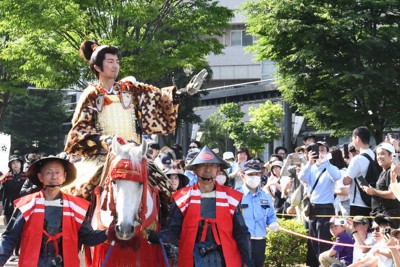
{"x":373,"y":172}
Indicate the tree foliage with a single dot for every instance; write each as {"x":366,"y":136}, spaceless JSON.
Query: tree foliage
{"x":214,"y":135}
{"x":158,"y":40}
{"x":262,"y":128}
{"x":338,"y":61}
{"x":155,"y":37}
{"x":34,"y":120}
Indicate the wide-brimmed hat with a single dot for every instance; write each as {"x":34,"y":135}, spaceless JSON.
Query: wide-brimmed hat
{"x":35,"y":168}
{"x":13,"y":158}
{"x":277,"y":163}
{"x":183,"y":178}
{"x":206,"y":155}
{"x":299,"y":148}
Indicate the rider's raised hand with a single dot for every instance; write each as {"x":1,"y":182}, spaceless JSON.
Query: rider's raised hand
{"x":195,"y":83}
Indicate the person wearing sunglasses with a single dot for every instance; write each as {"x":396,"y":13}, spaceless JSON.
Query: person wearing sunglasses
{"x":379,"y":255}
{"x":359,"y":229}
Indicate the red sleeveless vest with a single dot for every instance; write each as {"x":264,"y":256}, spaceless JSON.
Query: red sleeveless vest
{"x":32,"y":208}
{"x":188,"y":200}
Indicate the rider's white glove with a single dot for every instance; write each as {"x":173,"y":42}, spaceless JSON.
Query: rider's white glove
{"x":195,"y":83}
{"x":129,"y":79}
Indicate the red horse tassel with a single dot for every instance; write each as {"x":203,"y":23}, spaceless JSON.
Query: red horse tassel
{"x":136,"y":251}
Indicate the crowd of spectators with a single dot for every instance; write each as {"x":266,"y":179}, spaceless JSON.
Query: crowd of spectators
{"x":332,"y":171}
{"x":329,"y":175}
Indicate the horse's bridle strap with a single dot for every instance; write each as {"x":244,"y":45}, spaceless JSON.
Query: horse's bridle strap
{"x":124,"y":170}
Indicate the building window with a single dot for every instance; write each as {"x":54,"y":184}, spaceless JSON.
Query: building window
{"x":241,"y":38}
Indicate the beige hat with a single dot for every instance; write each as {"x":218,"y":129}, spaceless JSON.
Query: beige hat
{"x":277,"y":163}
{"x":269,"y":164}
{"x":299,"y":148}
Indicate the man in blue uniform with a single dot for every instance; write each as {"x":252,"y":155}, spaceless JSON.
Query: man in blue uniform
{"x":258,"y":210}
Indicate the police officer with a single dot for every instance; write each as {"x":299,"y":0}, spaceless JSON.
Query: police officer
{"x":258,"y":210}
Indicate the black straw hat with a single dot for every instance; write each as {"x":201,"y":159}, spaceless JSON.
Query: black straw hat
{"x":35,"y":168}
{"x":206,"y":155}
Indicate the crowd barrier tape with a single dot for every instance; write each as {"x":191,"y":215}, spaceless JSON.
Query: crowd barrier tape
{"x":331,"y":242}
{"x":279,"y":215}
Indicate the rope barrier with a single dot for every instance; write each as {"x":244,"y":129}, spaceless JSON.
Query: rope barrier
{"x":329,"y":216}
{"x":331,"y":242}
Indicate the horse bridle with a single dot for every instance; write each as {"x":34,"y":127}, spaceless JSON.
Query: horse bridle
{"x":125,"y":170}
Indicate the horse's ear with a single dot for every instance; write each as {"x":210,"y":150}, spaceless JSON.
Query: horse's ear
{"x":144,"y":147}
{"x":116,"y":145}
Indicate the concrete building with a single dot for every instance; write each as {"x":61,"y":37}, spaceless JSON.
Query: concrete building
{"x":237,"y":77}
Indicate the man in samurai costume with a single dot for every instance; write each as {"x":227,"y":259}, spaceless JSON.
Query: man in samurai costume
{"x":124,"y":108}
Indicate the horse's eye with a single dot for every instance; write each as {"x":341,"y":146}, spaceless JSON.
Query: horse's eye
{"x":113,"y":181}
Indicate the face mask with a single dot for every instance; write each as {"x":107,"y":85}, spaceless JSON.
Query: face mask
{"x":253,"y":181}
{"x":221,"y":179}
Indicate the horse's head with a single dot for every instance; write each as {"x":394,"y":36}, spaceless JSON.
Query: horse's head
{"x":128,"y":177}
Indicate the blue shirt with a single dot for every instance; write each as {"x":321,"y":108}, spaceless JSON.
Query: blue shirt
{"x":324,"y":191}
{"x":258,"y":211}
{"x":192,"y":178}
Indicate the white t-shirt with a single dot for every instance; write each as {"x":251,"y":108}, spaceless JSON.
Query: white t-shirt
{"x":383,"y":261}
{"x":339,"y":184}
{"x":358,"y":166}
{"x":357,"y":251}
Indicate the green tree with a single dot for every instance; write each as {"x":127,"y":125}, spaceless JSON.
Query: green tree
{"x":337,"y":61}
{"x":214,"y":134}
{"x":34,"y":119}
{"x":155,"y":37}
{"x":262,"y":128}
{"x":158,"y":40}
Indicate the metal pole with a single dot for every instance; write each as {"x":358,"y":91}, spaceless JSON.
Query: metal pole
{"x":287,"y":127}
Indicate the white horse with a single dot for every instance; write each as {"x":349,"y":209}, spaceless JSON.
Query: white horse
{"x":126,"y":204}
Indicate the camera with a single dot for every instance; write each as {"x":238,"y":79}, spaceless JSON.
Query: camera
{"x":395,"y":158}
{"x":340,"y":221}
{"x":315,"y":148}
{"x":296,"y":159}
{"x":388,"y":231}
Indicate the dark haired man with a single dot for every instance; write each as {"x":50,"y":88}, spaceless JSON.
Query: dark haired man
{"x":320,"y":176}
{"x":124,"y":108}
{"x":308,"y":139}
{"x":281,"y":151}
{"x":358,"y":167}
{"x":384,"y":201}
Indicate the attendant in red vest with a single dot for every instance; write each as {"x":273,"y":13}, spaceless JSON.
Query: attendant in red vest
{"x":206,"y":219}
{"x":49,"y":223}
